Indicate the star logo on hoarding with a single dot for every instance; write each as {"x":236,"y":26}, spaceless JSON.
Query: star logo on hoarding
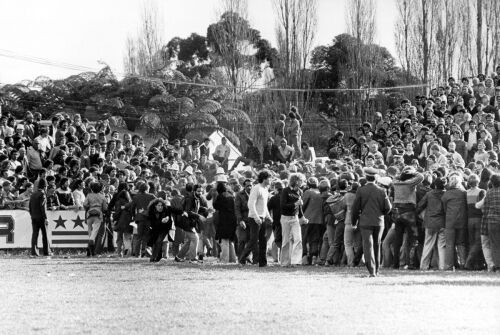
{"x":78,"y":222}
{"x":60,"y":222}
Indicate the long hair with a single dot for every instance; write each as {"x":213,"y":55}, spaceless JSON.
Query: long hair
{"x":153,"y":203}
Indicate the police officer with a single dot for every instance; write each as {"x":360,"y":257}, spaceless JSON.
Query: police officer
{"x":370,"y":206}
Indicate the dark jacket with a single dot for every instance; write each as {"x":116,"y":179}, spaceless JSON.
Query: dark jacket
{"x":194,"y":207}
{"x":224,"y":204}
{"x":313,"y":206}
{"x":139,"y":205}
{"x":253,"y":153}
{"x":37,"y":205}
{"x":122,"y":216}
{"x":156,"y":218}
{"x":455,"y":207}
{"x":241,"y":206}
{"x":434,"y":212}
{"x":270,"y":153}
{"x":274,"y":206}
{"x":370,"y":206}
{"x":288,"y":202}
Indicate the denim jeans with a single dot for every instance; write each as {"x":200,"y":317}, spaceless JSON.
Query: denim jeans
{"x":387,"y":248}
{"x":485,"y":243}
{"x":228,"y":254}
{"x":124,"y":243}
{"x":494,"y":235}
{"x":333,"y":242}
{"x":352,"y":245}
{"x":433,"y":238}
{"x":141,"y":239}
{"x":455,"y":241}
{"x":190,"y":245}
{"x":178,"y":240}
{"x":406,"y":221}
{"x":291,"y":246}
{"x":203,"y":242}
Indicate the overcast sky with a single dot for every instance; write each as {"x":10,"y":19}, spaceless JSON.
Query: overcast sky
{"x":81,"y":32}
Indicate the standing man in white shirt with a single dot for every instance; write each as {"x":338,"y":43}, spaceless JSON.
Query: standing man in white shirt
{"x":257,"y":213}
{"x":221,"y":154}
{"x":44,"y":141}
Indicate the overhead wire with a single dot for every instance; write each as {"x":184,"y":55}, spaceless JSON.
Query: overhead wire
{"x":69,"y":66}
{"x":80,"y":68}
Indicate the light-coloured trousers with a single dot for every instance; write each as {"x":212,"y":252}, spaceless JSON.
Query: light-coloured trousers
{"x":123,"y":243}
{"x":190,"y":245}
{"x":434,"y":238}
{"x":93,"y":224}
{"x":291,"y":247}
{"x":228,"y":255}
{"x":488,"y":257}
{"x":352,"y":243}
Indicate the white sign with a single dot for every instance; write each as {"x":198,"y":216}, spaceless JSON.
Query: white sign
{"x":66,"y":229}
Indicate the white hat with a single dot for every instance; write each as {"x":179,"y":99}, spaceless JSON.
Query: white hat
{"x":385,"y":181}
{"x":189,"y":170}
{"x":221,"y":178}
{"x":174,"y":167}
{"x":220,"y":171}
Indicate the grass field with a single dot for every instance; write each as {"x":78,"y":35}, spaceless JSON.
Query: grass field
{"x":122,"y":296}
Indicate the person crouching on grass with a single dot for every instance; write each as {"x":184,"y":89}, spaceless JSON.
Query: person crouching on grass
{"x":160,"y":217}
{"x":95,"y":204}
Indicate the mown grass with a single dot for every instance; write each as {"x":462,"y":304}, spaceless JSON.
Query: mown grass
{"x":123,"y":296}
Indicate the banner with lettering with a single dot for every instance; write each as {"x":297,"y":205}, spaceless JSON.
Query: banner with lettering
{"x":66,"y":229}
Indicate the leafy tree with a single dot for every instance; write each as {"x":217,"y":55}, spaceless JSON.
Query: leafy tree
{"x":333,"y":67}
{"x":232,"y":41}
{"x":185,"y":49}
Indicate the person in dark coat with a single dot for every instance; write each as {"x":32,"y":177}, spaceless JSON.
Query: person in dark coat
{"x":370,"y":206}
{"x":138,"y":207}
{"x":433,"y":224}
{"x":123,"y":217}
{"x":226,"y":229}
{"x":160,"y":217}
{"x":38,"y":212}
{"x":241,"y":211}
{"x":455,"y":207}
{"x":274,"y":207}
{"x":270,"y":152}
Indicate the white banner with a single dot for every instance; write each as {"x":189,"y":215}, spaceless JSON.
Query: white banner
{"x":67,"y":229}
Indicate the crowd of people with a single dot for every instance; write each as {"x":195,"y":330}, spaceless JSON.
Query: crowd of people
{"x":418,"y":188}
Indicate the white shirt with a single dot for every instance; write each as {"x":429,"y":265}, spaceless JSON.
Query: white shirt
{"x":44,"y":143}
{"x":257,"y":202}
{"x":222,"y":150}
{"x":79,"y":197}
{"x":472,"y":139}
